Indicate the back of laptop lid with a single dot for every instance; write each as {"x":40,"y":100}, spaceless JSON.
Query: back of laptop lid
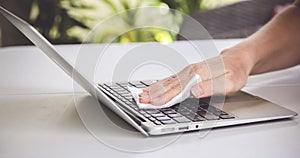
{"x":41,"y":42}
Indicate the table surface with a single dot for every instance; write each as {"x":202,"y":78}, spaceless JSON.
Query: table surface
{"x":40,"y":116}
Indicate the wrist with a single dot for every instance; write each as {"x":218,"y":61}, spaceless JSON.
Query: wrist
{"x":243,"y":54}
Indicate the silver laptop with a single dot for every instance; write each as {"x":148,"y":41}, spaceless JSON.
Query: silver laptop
{"x":192,"y":114}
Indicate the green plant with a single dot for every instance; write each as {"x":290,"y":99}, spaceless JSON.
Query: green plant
{"x":53,"y":21}
{"x":70,"y":21}
{"x":122,"y":15}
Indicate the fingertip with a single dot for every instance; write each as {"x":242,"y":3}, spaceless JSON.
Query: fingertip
{"x":144,"y":95}
{"x":144,"y":100}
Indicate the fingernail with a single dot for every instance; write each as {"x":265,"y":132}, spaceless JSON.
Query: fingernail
{"x":144,"y":100}
{"x":196,"y":91}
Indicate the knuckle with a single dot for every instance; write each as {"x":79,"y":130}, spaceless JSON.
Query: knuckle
{"x":194,"y":69}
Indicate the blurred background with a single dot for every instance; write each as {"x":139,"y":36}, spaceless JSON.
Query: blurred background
{"x":69,"y":21}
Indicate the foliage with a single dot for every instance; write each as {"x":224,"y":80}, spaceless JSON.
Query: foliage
{"x":70,"y":21}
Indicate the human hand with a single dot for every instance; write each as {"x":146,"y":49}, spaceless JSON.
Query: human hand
{"x":224,"y":74}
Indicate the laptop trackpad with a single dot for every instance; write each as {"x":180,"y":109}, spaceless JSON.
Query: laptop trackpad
{"x":236,"y":97}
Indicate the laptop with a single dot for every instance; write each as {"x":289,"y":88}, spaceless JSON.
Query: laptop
{"x":190,"y":115}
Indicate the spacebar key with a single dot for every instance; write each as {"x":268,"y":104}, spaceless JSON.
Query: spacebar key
{"x":181,"y":119}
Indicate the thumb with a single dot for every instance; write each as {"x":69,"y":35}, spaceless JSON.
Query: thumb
{"x":209,"y":87}
{"x":202,"y":89}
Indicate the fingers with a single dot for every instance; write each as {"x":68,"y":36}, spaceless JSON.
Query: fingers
{"x":166,"y":97}
{"x":162,"y":87}
{"x":144,"y":97}
{"x":168,"y":91}
{"x":209,"y":87}
{"x":197,"y":91}
{"x":203,"y":89}
{"x":164,"y":90}
{"x":158,"y":89}
{"x":209,"y":69}
{"x":221,"y":85}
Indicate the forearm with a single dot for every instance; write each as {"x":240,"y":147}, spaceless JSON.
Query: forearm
{"x":276,"y":45}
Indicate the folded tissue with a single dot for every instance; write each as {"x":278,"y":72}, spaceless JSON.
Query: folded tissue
{"x":184,"y":94}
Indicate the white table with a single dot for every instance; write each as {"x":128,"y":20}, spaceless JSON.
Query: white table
{"x":38,"y":117}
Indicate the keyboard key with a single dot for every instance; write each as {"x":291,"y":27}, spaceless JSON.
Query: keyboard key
{"x":128,"y":102}
{"x":168,"y":122}
{"x":163,"y":118}
{"x":193,"y":108}
{"x":147,"y":115}
{"x":157,"y":122}
{"x":215,"y":110}
{"x":203,"y":105}
{"x":152,"y":111}
{"x":125,"y":88}
{"x":125,"y":84}
{"x":158,"y":114}
{"x":186,"y":113}
{"x":151,"y":118}
{"x":140,"y":86}
{"x":147,"y":83}
{"x":117,"y":95}
{"x":123,"y":92}
{"x":134,"y":83}
{"x":191,"y":116}
{"x":210,"y":116}
{"x":111,"y":85}
{"x":133,"y":106}
{"x":226,"y":117}
{"x":123,"y":99}
{"x":115,"y":87}
{"x":103,"y":86}
{"x":181,"y":119}
{"x":198,"y":118}
{"x":112,"y":92}
{"x":175,"y":115}
{"x":169,"y":112}
{"x":128,"y":94}
{"x":182,"y":109}
{"x":142,"y":112}
{"x":201,"y":112}
{"x":128,"y":98}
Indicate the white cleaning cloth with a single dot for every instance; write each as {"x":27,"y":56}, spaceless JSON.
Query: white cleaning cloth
{"x":185,"y":93}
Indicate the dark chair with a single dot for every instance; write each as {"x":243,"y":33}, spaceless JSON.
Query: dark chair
{"x":234,"y":21}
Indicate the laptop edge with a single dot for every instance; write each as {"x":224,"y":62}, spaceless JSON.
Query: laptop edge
{"x":33,"y":35}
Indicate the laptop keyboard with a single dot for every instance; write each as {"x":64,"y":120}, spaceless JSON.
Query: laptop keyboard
{"x":175,"y":114}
